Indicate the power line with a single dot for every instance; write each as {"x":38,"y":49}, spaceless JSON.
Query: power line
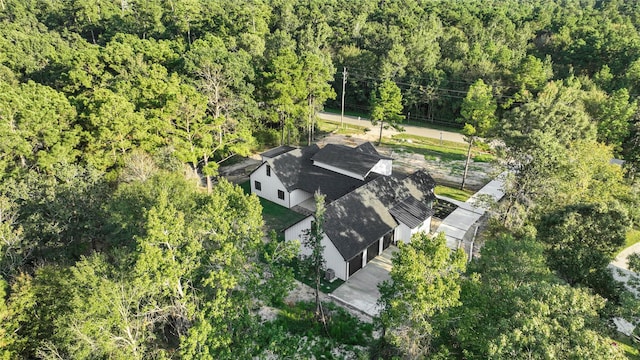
{"x":450,"y":93}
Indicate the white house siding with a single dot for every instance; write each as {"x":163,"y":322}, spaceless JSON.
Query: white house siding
{"x":334,"y":259}
{"x":297,"y":196}
{"x":270,"y":186}
{"x":425,"y":227}
{"x":383,"y":167}
{"x":331,"y":255}
{"x":338,"y":170}
{"x":403,"y":233}
{"x":296,"y":230}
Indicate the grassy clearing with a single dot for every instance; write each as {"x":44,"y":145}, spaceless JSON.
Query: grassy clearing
{"x":424,"y":124}
{"x":628,"y":346}
{"x":633,"y":237}
{"x":456,"y":194}
{"x":275,"y":217}
{"x":435,"y":149}
{"x":295,"y":334}
{"x":432,"y":149}
{"x":348,"y":129}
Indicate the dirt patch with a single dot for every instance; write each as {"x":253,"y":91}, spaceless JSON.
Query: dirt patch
{"x":239,"y":172}
{"x":447,"y":173}
{"x":303,"y":292}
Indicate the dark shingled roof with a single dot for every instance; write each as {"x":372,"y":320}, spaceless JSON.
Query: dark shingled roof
{"x":277,"y":151}
{"x":347,"y":158}
{"x":361,"y":217}
{"x":368,"y":148}
{"x":296,"y":171}
{"x":411,"y":212}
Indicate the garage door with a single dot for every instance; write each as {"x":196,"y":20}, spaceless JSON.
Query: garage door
{"x":372,"y":251}
{"x":387,"y":240}
{"x":355,"y":264}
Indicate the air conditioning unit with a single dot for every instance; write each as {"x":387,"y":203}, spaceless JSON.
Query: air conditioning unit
{"x":330,"y":275}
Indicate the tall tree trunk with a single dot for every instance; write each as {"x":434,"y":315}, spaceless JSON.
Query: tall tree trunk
{"x":207,"y":176}
{"x":282,"y":136}
{"x":380,"y":138}
{"x":466,"y":164}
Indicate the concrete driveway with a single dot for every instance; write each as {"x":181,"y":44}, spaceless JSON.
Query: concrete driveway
{"x":361,"y":290}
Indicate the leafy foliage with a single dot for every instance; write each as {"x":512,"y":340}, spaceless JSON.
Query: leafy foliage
{"x":424,"y":283}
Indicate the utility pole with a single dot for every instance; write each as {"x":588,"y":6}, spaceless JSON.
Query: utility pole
{"x":344,"y":83}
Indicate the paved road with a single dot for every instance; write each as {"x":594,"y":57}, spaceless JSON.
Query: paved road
{"x":413,"y":130}
{"x":620,"y":270}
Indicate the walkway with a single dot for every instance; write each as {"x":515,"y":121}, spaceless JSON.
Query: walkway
{"x":458,"y":227}
{"x":412,"y":130}
{"x":360,"y":291}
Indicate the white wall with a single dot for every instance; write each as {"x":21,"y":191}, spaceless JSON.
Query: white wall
{"x":338,"y":170}
{"x":383,"y":167}
{"x":332,"y":256}
{"x":297,"y":196}
{"x":270,"y":186}
{"x":425,"y":227}
{"x":334,"y":259}
{"x":403,"y":233}
{"x":296,"y":230}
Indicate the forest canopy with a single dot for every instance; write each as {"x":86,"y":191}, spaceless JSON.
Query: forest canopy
{"x":115,"y":116}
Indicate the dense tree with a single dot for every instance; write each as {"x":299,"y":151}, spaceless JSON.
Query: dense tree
{"x":113,"y":129}
{"x":286,"y":91}
{"x":425,"y":281}
{"x":99,"y":100}
{"x":38,"y":128}
{"x":514,"y":307}
{"x":317,"y":70}
{"x":478,"y":114}
{"x":386,"y":107}
{"x":582,"y":240}
{"x":537,"y":136}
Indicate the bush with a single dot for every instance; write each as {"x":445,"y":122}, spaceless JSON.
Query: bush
{"x":270,"y":137}
{"x":484,"y":158}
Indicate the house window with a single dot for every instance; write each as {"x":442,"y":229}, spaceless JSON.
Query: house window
{"x":257,"y":185}
{"x":280,"y":194}
{"x":268,"y":170}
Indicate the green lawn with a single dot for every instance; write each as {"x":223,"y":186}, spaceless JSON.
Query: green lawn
{"x":454,"y":193}
{"x":275,"y":217}
{"x":633,"y":236}
{"x":628,"y":346}
{"x":424,"y":124}
{"x":348,"y":129}
{"x":434,"y":148}
{"x":325,"y":286}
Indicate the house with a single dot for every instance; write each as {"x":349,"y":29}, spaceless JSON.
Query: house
{"x":289,"y":176}
{"x":367,"y":209}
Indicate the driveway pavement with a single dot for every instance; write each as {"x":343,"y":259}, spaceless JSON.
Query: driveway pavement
{"x":620,"y":269}
{"x":361,"y":290}
{"x":413,"y":130}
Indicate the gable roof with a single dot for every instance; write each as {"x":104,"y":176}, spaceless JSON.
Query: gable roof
{"x":276,"y":151}
{"x":411,"y":212}
{"x":368,"y":148}
{"x":359,"y":160}
{"x":361,"y":217}
{"x":295,"y":170}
